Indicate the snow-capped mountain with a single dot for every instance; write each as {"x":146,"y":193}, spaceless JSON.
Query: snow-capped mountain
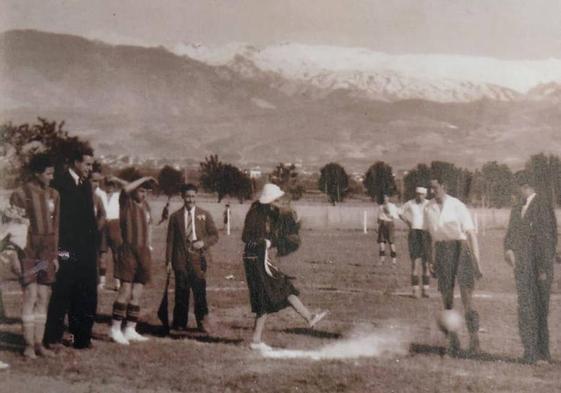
{"x":369,"y":74}
{"x":546,"y":92}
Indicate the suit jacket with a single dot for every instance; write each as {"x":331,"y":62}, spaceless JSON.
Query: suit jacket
{"x":177,"y":247}
{"x":533,"y":238}
{"x":78,"y":227}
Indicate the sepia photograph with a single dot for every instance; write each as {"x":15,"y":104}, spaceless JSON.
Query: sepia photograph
{"x":234,"y":196}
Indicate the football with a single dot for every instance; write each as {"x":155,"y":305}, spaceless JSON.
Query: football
{"x":450,"y":321}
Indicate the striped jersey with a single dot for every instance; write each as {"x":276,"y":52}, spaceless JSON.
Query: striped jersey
{"x":135,"y":219}
{"x":42,"y":208}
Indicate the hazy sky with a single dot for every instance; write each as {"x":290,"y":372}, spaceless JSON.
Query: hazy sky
{"x":529,"y":29}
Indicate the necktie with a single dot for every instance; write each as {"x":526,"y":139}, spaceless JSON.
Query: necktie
{"x":189,"y":227}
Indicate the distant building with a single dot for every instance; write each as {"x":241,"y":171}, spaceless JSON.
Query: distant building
{"x":254,"y":173}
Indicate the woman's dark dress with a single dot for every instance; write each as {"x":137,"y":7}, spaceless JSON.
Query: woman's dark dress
{"x":267,"y":294}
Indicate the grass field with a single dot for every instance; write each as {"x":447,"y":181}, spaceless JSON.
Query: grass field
{"x":335,"y":270}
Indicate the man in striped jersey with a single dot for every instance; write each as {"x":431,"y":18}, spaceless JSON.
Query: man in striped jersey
{"x":39,"y":263}
{"x":133,"y":267}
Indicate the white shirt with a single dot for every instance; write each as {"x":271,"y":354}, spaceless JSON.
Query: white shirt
{"x":190,"y":214}
{"x":392,"y":214}
{"x":74,"y":176}
{"x":451,"y":223}
{"x":112,"y":208}
{"x":414,"y":212}
{"x":527,"y":204}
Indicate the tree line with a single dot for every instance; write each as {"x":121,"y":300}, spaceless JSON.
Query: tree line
{"x":492,"y":185}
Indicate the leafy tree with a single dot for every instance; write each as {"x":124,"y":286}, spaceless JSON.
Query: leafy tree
{"x":225,"y":179}
{"x":170,"y":180}
{"x":379,"y":181}
{"x":417,"y":177}
{"x":555,"y":173}
{"x":286,"y":177}
{"x":19,"y":142}
{"x":546,"y":172}
{"x":497,"y":184}
{"x":458,"y":180}
{"x":334,"y":181}
{"x":211,"y":173}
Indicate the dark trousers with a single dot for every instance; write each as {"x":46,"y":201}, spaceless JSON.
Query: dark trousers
{"x":186,"y":281}
{"x":74,"y":293}
{"x":533,"y":309}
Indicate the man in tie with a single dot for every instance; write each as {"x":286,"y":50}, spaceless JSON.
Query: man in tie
{"x":530,"y":249}
{"x":75,"y":289}
{"x":191,"y":233}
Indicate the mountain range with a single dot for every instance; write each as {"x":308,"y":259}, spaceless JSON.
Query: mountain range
{"x":290,"y":102}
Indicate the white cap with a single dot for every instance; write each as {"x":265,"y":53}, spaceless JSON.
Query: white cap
{"x":421,"y":190}
{"x":271,"y":192}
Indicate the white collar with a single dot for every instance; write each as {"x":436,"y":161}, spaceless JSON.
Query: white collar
{"x":530,"y":199}
{"x":74,"y":176}
{"x":192,"y":210}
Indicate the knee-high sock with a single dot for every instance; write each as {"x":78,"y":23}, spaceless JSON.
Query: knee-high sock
{"x":40,"y":320}
{"x":472,"y":321}
{"x":119,"y":314}
{"x":28,"y":324}
{"x":133,"y":312}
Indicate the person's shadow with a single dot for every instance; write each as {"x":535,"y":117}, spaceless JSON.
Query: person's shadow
{"x":424,"y":349}
{"x":12,"y":342}
{"x":157,"y":330}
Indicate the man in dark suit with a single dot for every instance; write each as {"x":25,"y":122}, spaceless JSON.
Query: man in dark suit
{"x":75,"y":289}
{"x":191,"y":232}
{"x":530,"y":249}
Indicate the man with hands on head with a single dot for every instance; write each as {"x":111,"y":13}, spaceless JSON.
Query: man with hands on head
{"x":191,"y":233}
{"x":529,"y":246}
{"x":133,"y":268}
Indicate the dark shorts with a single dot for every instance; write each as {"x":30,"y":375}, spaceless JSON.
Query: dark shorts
{"x":37,"y":264}
{"x":417,"y":241}
{"x":454,"y":261}
{"x":134,"y":265}
{"x":112,"y":235}
{"x":385,"y":232}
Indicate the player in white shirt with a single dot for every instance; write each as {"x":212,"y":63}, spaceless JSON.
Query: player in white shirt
{"x":387,"y":213}
{"x":412,"y":213}
{"x":455,"y":256}
{"x":112,"y":231}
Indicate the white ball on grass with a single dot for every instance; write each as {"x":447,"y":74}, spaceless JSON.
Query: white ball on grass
{"x":450,"y":321}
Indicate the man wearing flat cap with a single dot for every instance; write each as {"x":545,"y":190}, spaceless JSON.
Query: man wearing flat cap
{"x":191,"y":233}
{"x":530,"y":249}
{"x":412,"y":213}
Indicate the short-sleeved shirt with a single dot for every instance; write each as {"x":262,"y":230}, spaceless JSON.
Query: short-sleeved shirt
{"x":415,"y":212}
{"x":110,"y":203}
{"x":135,"y":219}
{"x":391,"y":214}
{"x":452,"y":222}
